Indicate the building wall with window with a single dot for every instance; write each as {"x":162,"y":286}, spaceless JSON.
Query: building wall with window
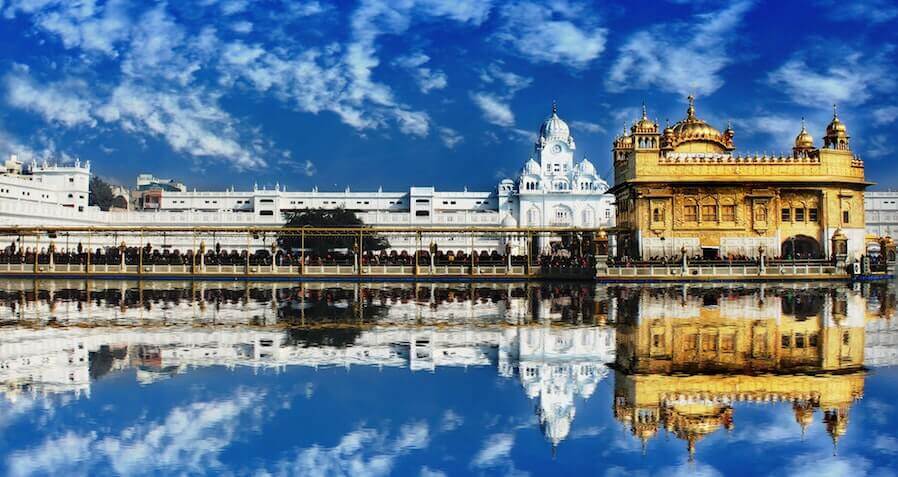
{"x":553,"y":191}
{"x":685,"y":188}
{"x":881,"y":213}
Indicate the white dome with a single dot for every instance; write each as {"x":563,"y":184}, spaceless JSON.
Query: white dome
{"x":509,"y":221}
{"x":555,"y":128}
{"x":587,"y":167}
{"x":532,"y":167}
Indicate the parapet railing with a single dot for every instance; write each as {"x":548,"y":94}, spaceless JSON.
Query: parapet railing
{"x":297,"y":271}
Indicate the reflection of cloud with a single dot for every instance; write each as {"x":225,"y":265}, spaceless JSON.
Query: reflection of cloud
{"x":428,"y":472}
{"x":808,"y":465}
{"x":364,"y":452}
{"x":886,"y":444}
{"x":189,"y":439}
{"x":591,"y":431}
{"x":495,"y":450}
{"x":53,"y":456}
{"x":451,"y":421}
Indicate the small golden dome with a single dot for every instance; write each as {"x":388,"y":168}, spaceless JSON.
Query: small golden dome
{"x":804,"y":140}
{"x":626,"y":141}
{"x":836,"y":127}
{"x":644,"y":124}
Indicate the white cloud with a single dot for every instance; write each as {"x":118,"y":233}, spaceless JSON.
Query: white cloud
{"x":242,"y":26}
{"x":879,"y":145}
{"x":818,"y":78}
{"x":587,"y":126}
{"x":885,"y":115}
{"x":876,"y":11}
{"x":509,"y":82}
{"x":563,"y":32}
{"x":450,"y":137}
{"x":495,"y":450}
{"x":783,"y":129}
{"x":426,"y":78}
{"x":682,"y":57}
{"x":188,"y":122}
{"x":86,"y":25}
{"x":495,"y":110}
{"x":57,"y":103}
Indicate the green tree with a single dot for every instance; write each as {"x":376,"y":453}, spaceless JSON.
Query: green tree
{"x":100,"y":193}
{"x":322,"y":243}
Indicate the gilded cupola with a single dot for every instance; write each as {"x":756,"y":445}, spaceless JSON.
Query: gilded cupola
{"x":836,"y":133}
{"x":804,"y":142}
{"x":695,"y":135}
{"x":644,"y":125}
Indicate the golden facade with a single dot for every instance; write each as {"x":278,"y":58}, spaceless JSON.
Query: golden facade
{"x":684,"y":187}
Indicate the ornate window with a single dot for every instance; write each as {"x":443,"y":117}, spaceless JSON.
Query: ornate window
{"x":728,"y":213}
{"x":709,"y":212}
{"x":657,"y":215}
{"x":786,"y":215}
{"x":690,"y":213}
{"x":533,"y":216}
{"x":799,"y":214}
{"x":588,"y":216}
{"x":812,"y":214}
{"x":845,"y":217}
{"x":761,"y":214}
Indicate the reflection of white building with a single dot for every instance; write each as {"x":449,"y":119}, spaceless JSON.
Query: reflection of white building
{"x":555,"y":365}
{"x":551,"y":190}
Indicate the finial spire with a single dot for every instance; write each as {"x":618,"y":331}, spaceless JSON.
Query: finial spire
{"x":691,"y":111}
{"x":835,"y":112}
{"x":802,"y":125}
{"x":554,"y":107}
{"x":644,"y":114}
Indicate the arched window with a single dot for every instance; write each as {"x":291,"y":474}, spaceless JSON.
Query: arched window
{"x":533,"y":216}
{"x":657,"y":215}
{"x":561,"y":216}
{"x":690,"y":211}
{"x":709,"y":210}
{"x":761,"y":213}
{"x":588,"y":217}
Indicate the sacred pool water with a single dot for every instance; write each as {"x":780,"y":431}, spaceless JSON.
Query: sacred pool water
{"x":235,"y":378}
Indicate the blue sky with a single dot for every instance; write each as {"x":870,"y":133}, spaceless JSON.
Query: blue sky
{"x":425,"y":92}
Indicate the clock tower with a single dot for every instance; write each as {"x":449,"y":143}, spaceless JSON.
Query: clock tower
{"x":555,"y":146}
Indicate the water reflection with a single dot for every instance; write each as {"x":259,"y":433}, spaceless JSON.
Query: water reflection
{"x":681,"y":359}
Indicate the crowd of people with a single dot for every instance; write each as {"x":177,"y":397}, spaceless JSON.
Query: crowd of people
{"x":150,"y":256}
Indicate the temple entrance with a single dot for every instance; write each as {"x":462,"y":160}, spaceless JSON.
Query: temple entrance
{"x":800,"y":247}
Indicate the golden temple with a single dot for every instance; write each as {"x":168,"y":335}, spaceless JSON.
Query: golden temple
{"x":683,"y":189}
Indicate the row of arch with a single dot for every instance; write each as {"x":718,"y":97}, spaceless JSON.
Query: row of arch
{"x":562,"y":184}
{"x":562,"y":215}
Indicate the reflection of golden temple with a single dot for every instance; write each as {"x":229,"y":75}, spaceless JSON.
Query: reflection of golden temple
{"x":809,"y":345}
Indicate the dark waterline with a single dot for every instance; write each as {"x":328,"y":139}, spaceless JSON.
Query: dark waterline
{"x":433,"y":379}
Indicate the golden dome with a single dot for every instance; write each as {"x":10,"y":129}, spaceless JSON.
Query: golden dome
{"x":694,"y":130}
{"x":836,"y":127}
{"x":804,"y":140}
{"x":644,"y":124}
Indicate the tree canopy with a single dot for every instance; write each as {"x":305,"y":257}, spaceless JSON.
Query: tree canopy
{"x":322,"y":244}
{"x":100,"y":193}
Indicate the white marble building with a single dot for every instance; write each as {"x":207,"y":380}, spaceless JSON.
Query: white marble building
{"x":881,"y":211}
{"x":551,"y":190}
